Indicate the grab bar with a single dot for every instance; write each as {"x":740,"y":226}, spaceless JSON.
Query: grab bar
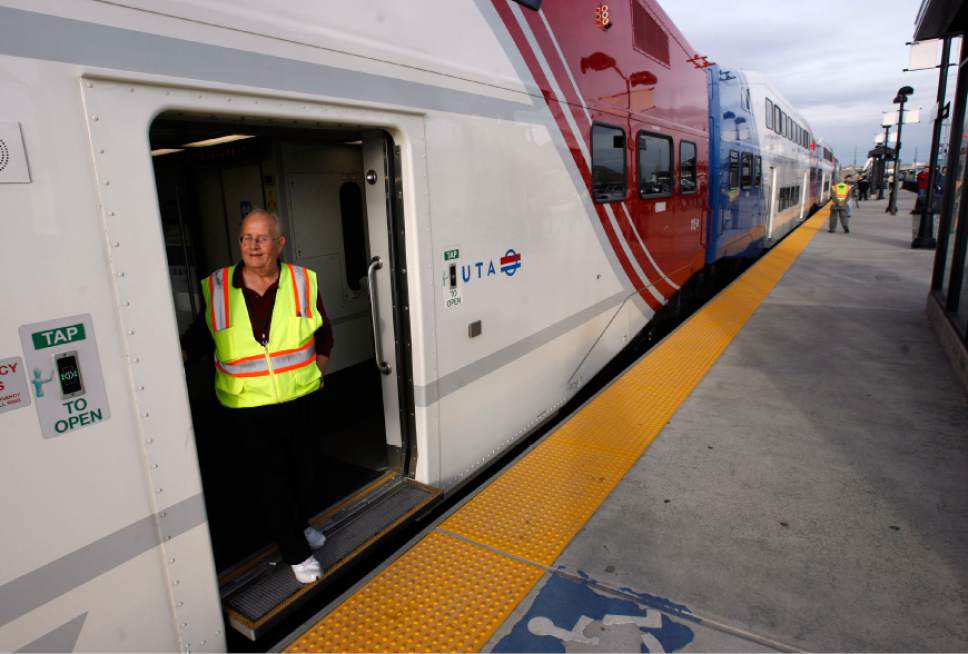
{"x":376,"y":264}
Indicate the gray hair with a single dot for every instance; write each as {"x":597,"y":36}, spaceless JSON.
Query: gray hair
{"x":276,"y":220}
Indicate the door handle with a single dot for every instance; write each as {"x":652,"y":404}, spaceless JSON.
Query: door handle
{"x":376,"y":264}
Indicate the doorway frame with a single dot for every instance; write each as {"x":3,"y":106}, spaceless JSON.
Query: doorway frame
{"x":118,"y":111}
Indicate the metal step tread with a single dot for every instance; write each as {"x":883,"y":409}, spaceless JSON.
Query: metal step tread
{"x":262,"y":590}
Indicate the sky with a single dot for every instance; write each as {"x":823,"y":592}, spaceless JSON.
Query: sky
{"x":839,"y":63}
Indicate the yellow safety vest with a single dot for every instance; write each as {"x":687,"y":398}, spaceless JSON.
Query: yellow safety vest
{"x":248,"y":374}
{"x":841,"y":191}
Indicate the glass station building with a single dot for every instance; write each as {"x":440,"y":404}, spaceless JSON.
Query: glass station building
{"x":948,"y":299}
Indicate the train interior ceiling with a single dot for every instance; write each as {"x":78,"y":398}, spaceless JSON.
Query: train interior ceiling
{"x":209,"y":173}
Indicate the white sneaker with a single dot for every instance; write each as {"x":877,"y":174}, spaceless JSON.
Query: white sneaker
{"x":314,"y":537}
{"x":308,"y":571}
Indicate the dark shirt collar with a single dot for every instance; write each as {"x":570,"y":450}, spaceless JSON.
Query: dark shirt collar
{"x":239,"y":282}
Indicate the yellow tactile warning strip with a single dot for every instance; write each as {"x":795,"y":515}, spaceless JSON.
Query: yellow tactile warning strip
{"x":446,"y":594}
{"x":443,"y":595}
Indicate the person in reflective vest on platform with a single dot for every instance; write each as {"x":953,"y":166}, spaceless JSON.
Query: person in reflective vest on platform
{"x":840,"y":205}
{"x":267,"y":321}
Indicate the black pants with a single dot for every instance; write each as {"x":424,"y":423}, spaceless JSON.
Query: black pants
{"x":280,"y":449}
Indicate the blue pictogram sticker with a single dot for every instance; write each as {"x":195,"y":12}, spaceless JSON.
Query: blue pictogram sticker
{"x":568,"y":616}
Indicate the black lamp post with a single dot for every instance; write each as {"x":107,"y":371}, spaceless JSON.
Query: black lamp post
{"x":899,"y":99}
{"x":882,"y":173}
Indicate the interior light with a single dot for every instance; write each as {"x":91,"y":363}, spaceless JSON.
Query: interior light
{"x":161,"y":151}
{"x":218,"y":140}
{"x":353,"y":143}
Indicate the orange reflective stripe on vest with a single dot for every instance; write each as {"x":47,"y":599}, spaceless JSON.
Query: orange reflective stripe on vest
{"x":258,"y":365}
{"x":300,"y":290}
{"x":218,"y":290}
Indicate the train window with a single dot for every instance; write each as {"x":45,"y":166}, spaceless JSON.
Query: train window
{"x":609,"y":179}
{"x":789,"y":128}
{"x":746,"y":180}
{"x":769,"y":114}
{"x":757,"y":171}
{"x":777,"y":119}
{"x":655,"y":165}
{"x":354,"y":236}
{"x":687,"y":167}
{"x":733,"y":169}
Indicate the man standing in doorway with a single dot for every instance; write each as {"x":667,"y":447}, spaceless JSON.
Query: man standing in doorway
{"x":272,"y":345}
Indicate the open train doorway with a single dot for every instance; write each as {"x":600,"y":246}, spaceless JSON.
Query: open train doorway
{"x":335,"y":190}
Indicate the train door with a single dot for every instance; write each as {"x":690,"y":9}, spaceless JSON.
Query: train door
{"x":336,"y":192}
{"x":804,"y":194}
{"x":380,"y":269}
{"x":774,"y":198}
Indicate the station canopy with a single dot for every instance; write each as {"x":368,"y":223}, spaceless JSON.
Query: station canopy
{"x":939,"y":18}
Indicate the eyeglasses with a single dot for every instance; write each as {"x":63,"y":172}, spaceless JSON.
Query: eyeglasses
{"x":248,"y":240}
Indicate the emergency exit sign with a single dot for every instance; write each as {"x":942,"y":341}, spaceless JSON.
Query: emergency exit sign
{"x":59,"y":336}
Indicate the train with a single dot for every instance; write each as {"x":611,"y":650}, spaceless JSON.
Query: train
{"x":497,"y":197}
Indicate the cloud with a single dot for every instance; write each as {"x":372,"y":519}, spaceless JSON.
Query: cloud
{"x":840,"y":64}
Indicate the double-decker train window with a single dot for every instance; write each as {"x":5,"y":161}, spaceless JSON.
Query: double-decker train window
{"x":609,"y":178}
{"x":769,"y":114}
{"x":655,"y":165}
{"x":733,"y":169}
{"x":746,"y":180}
{"x":777,"y":119}
{"x":688,"y":177}
{"x":757,"y":171}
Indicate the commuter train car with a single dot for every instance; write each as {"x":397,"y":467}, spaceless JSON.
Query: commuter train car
{"x":828,"y":170}
{"x":768,"y":171}
{"x":739,"y":198}
{"x":495,"y":201}
{"x":787,"y":147}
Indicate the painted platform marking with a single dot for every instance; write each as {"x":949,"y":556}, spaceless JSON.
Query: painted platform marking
{"x":601,"y":624}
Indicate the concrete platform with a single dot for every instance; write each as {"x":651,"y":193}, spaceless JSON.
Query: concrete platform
{"x":811,"y":494}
